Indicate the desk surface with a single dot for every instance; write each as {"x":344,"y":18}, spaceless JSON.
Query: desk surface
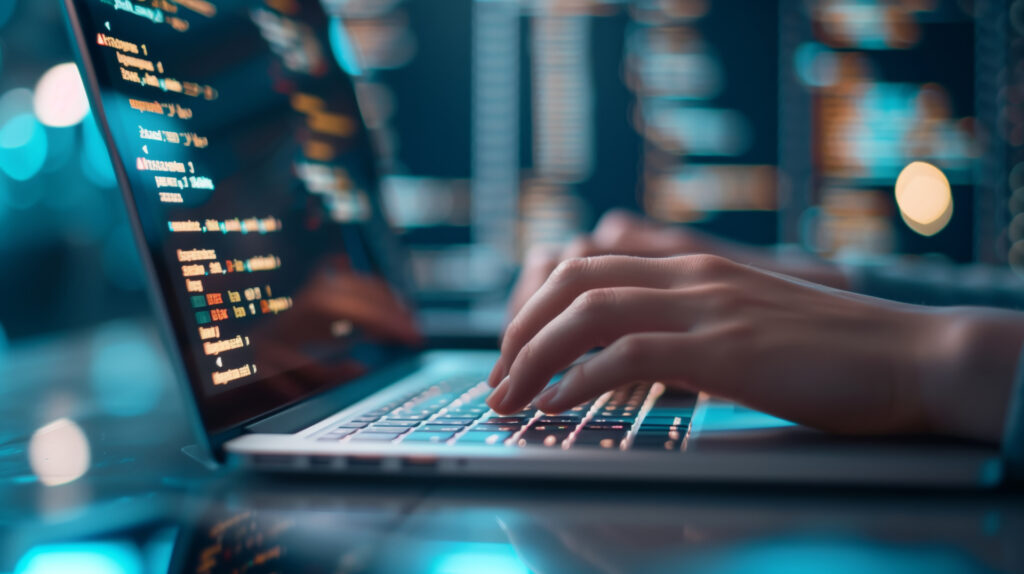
{"x":136,"y":504}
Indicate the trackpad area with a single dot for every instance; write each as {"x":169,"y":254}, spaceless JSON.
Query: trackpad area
{"x":722,"y":423}
{"x":723,"y":416}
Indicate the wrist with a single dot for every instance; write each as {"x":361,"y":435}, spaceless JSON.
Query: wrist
{"x":967,"y":368}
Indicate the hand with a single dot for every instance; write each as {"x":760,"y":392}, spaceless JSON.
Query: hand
{"x":620,"y":232}
{"x":814,"y":355}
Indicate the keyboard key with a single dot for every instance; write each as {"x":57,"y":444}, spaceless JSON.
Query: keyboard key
{"x":391,"y":426}
{"x":668,"y":434}
{"x":336,"y":435}
{"x":558,"y":420}
{"x":607,"y":426}
{"x":497,"y":427}
{"x":407,"y":418}
{"x":543,"y":437}
{"x":425,"y":436}
{"x":601,"y":438}
{"x":666,"y":420}
{"x":649,"y":429}
{"x":376,"y":436}
{"x":403,"y":423}
{"x":508,"y":420}
{"x":464,"y":416}
{"x":484,"y":437}
{"x":365,"y":419}
{"x":352,"y":425}
{"x":453,"y":420}
{"x":483,"y":408}
{"x":651,"y":442}
{"x":553,"y":427}
{"x":442,"y":428}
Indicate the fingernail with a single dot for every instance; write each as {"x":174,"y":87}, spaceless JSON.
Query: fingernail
{"x":494,"y":401}
{"x":547,"y":396}
{"x":549,"y":393}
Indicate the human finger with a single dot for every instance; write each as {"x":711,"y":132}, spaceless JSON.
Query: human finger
{"x":636,"y":357}
{"x":571,"y":277}
{"x":595,"y":319}
{"x":576,"y":276}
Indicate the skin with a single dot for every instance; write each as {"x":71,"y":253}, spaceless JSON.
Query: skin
{"x":620,"y":232}
{"x":810,"y":353}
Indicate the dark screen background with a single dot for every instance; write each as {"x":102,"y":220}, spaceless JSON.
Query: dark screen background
{"x":309,"y":305}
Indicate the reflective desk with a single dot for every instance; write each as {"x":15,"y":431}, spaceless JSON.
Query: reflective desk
{"x":92,"y":480}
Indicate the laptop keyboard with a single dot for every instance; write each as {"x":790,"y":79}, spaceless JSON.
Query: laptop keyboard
{"x":638,"y":416}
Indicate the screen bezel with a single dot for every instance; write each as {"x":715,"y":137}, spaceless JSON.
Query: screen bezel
{"x":218,"y":417}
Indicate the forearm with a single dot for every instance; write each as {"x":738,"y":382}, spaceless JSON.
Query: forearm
{"x":966,"y":383}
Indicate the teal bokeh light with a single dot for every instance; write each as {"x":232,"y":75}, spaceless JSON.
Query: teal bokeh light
{"x":81,"y":558}
{"x":816,"y":65}
{"x":836,"y":555}
{"x":477,"y":557}
{"x":23,"y":147}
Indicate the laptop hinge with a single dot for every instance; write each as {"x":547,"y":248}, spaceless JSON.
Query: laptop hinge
{"x":314,"y":410}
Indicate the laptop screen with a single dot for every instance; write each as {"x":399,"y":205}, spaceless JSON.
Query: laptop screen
{"x":238,"y":138}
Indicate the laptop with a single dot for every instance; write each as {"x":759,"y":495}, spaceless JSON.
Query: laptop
{"x":249,"y":176}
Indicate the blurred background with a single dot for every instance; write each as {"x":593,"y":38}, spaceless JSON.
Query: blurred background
{"x":504,"y":124}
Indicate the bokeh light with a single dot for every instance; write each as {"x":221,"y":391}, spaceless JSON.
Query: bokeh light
{"x":804,"y":554}
{"x":127,"y":373}
{"x":58,"y":453}
{"x":81,"y":558}
{"x":924,"y":197}
{"x":467,"y":557}
{"x":1016,"y":257}
{"x":14,"y":102}
{"x":816,"y":65}
{"x":60,"y":99}
{"x":5,"y":194}
{"x":23,"y":147}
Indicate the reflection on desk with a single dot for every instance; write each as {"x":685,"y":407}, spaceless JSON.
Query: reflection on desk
{"x":256,"y":526}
